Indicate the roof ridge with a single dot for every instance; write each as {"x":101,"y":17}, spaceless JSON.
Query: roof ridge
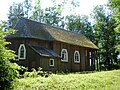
{"x":52,"y":26}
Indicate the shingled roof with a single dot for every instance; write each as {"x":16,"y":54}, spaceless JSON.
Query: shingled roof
{"x":32,"y":29}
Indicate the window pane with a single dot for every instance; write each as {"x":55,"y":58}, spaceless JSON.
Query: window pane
{"x":77,"y":56}
{"x":51,"y":62}
{"x":22,"y":52}
{"x":64,"y":55}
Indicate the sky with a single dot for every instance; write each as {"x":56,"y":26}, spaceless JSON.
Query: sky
{"x":85,"y":7}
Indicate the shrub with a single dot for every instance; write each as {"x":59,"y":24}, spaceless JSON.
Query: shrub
{"x":37,"y":73}
{"x":33,"y":73}
{"x":26,"y":74}
{"x":30,"y":74}
{"x":43,"y":73}
{"x":8,"y":72}
{"x":116,"y":66}
{"x":22,"y":70}
{"x":40,"y":72}
{"x":102,"y":67}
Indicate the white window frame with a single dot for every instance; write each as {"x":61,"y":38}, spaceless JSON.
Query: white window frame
{"x":50,"y":62}
{"x":78,"y":56}
{"x":22,"y":45}
{"x":63,"y":60}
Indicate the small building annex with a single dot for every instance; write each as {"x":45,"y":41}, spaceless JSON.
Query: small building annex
{"x":51,"y":48}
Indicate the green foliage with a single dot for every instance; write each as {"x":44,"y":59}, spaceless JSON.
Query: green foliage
{"x":18,"y":10}
{"x":34,"y":73}
{"x":107,"y":80}
{"x":53,"y":16}
{"x":37,"y":13}
{"x":40,"y":72}
{"x":80,"y":24}
{"x":27,"y":7}
{"x":49,"y":15}
{"x":30,"y":74}
{"x":102,"y":67}
{"x":105,"y":36}
{"x":26,"y":74}
{"x":115,"y":7}
{"x":22,"y":70}
{"x":116,"y":66}
{"x":8,"y":71}
{"x":15,"y":11}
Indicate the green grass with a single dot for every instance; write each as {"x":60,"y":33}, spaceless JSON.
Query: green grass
{"x":105,"y":80}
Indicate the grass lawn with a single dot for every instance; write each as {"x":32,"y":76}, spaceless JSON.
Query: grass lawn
{"x":105,"y":80}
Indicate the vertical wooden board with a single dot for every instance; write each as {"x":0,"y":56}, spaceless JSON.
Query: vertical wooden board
{"x":83,"y":58}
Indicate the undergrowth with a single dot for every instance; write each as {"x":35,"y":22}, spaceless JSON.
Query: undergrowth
{"x":105,"y":80}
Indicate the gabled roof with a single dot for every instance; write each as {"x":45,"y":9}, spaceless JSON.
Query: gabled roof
{"x":45,"y":52}
{"x":32,"y":29}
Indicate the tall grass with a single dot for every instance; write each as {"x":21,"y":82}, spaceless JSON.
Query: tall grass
{"x":106,"y":80}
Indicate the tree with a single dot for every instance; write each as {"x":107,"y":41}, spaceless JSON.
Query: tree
{"x":80,"y":24}
{"x":115,"y":7}
{"x":15,"y":12}
{"x":8,"y":72}
{"x":52,"y":16}
{"x":27,"y":7}
{"x":105,"y":36}
{"x":18,"y":10}
{"x":37,"y":13}
{"x":49,"y":15}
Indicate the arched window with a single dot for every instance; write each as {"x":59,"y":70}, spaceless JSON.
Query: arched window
{"x":77,"y":57}
{"x":64,"y":55}
{"x":22,"y":52}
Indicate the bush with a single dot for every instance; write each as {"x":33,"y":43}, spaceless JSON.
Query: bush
{"x":8,"y":72}
{"x":22,"y":70}
{"x":102,"y":67}
{"x":43,"y":73}
{"x":38,"y":73}
{"x":26,"y":74}
{"x":116,"y":66}
{"x":33,"y":73}
{"x":30,"y":74}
